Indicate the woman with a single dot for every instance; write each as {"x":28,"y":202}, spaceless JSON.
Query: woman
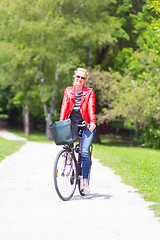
{"x":79,"y":104}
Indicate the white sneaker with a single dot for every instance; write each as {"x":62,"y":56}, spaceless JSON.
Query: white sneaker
{"x":86,"y":189}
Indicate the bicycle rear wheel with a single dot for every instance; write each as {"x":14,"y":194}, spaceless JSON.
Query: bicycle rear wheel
{"x":65,"y":175}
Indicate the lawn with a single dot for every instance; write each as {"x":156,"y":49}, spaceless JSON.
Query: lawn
{"x":35,"y":136}
{"x":8,"y":147}
{"x":138,"y":167}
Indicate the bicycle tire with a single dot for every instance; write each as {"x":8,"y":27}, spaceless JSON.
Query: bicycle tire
{"x":65,"y":175}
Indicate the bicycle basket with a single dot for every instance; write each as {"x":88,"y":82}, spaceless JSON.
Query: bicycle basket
{"x":64,"y":132}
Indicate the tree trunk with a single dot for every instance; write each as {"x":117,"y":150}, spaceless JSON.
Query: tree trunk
{"x":101,"y":55}
{"x":48,"y":122}
{"x":26,"y":119}
{"x":90,"y":57}
{"x":54,"y":95}
{"x":49,"y":113}
{"x":48,"y":118}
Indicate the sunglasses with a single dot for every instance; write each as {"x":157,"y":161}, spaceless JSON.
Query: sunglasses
{"x":77,"y":76}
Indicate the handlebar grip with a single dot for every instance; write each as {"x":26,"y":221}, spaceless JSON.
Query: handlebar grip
{"x":87,"y":124}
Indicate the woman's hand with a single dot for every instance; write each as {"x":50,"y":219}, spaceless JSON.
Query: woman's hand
{"x":92,"y":127}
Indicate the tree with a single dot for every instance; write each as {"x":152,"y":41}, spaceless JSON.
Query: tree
{"x":28,"y":30}
{"x":46,"y":40}
{"x":132,"y":94}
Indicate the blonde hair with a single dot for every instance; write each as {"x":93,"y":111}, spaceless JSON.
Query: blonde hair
{"x":83,"y":70}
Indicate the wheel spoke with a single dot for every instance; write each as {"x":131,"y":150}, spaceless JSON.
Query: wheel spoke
{"x":65,"y":175}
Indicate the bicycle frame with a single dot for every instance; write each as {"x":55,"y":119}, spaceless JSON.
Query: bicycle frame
{"x":70,"y":148}
{"x":68,"y":170}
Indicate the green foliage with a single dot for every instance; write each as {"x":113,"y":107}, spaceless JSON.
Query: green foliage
{"x":150,"y":136}
{"x":155,"y":5}
{"x":42,"y":39}
{"x":5,"y":95}
{"x":134,"y":98}
{"x":123,"y":59}
{"x":131,"y":91}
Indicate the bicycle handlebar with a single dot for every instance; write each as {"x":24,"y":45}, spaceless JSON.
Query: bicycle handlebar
{"x":86,"y":124}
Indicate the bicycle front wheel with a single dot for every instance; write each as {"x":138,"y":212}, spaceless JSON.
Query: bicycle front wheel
{"x":65,"y":175}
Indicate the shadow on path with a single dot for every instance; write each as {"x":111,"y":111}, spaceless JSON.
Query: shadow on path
{"x":92,"y":196}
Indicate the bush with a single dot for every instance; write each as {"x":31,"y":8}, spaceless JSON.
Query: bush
{"x":150,"y":137}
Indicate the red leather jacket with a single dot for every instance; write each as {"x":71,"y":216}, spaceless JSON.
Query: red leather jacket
{"x":87,"y":106}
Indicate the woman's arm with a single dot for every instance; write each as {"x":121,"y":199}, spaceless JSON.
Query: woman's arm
{"x":64,"y":106}
{"x":91,"y":110}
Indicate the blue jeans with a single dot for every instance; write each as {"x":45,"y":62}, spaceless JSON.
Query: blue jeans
{"x":87,"y":138}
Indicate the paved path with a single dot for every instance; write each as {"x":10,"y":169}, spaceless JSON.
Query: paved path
{"x":10,"y":136}
{"x":31,"y":210}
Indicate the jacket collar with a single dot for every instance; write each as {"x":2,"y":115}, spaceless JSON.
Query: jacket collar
{"x":84,"y":90}
{"x":72,"y":92}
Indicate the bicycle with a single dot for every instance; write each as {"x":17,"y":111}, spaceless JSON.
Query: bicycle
{"x":67,"y":170}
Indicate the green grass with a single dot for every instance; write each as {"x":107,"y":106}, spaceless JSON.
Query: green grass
{"x":8,"y":147}
{"x":35,"y":137}
{"x":3,"y":116}
{"x":138,"y":167}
